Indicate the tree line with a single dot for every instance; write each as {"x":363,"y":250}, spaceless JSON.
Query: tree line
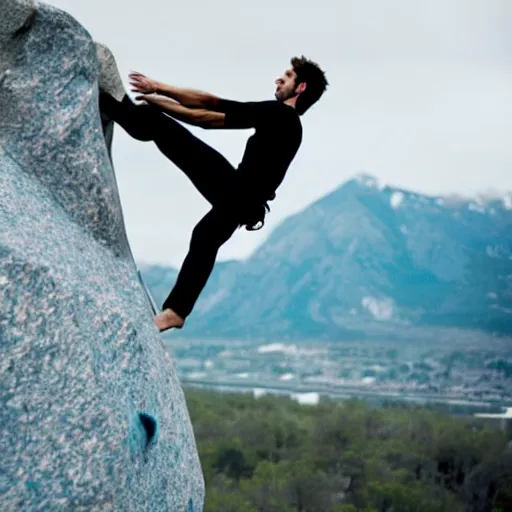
{"x":270,"y":454}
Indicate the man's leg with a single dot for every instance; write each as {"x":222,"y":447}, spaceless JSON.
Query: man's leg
{"x":209,"y":171}
{"x":212,"y":175}
{"x":211,"y":232}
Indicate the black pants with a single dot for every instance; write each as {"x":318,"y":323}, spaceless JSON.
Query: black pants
{"x":215,"y":178}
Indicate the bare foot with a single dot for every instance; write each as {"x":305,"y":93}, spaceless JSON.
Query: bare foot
{"x":168,"y":319}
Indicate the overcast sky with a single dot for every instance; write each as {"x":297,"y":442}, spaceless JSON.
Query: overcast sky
{"x":420,"y":97}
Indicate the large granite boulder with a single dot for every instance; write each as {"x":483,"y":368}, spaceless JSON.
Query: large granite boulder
{"x":92,"y":416}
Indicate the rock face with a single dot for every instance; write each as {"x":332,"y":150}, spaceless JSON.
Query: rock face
{"x":92,"y":414}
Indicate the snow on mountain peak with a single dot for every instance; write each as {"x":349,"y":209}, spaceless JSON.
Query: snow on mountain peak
{"x":369,"y":181}
{"x":484,"y":200}
{"x":396,"y":199}
{"x":380,"y":309}
{"x":476,"y":207}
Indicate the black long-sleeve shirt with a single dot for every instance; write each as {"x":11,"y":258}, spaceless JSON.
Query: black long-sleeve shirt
{"x":273,"y":146}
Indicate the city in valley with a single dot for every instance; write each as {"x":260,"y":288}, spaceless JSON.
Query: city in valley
{"x":465,"y":372}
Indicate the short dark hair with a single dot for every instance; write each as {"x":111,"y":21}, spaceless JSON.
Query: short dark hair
{"x":309,"y":72}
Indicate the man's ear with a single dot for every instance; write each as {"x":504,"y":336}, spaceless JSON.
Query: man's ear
{"x":300,"y":88}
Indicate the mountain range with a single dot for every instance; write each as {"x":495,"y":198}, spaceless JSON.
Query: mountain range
{"x":364,"y":260}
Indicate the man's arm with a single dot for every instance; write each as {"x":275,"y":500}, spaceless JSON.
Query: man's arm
{"x":195,"y":116}
{"x":188,"y":97}
{"x":249,"y":114}
{"x":240,"y":115}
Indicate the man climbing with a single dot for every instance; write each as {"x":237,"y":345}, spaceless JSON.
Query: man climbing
{"x":239,"y":197}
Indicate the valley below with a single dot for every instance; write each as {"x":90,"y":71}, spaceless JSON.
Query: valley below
{"x":465,"y":372}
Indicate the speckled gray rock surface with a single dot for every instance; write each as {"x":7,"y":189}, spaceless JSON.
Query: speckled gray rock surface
{"x":92,"y":414}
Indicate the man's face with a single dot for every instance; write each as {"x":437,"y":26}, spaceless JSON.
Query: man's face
{"x":286,"y":85}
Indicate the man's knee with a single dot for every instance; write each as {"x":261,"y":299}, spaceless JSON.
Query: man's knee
{"x":215,"y":228}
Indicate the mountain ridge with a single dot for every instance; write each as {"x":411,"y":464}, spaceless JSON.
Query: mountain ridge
{"x":366,"y":254}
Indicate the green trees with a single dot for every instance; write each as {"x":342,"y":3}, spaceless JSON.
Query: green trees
{"x":271,"y":454}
